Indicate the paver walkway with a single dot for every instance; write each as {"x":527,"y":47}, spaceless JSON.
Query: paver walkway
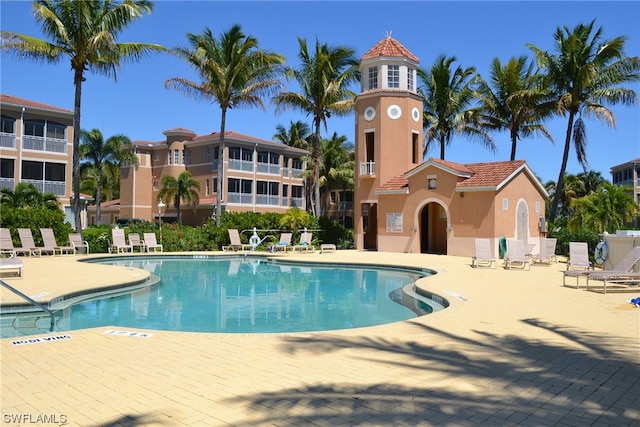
{"x":515,"y":348}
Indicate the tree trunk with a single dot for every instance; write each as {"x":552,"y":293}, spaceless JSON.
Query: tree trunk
{"x":316,"y":153}
{"x":77,"y":81}
{"x":223,"y":121}
{"x":563,"y":168}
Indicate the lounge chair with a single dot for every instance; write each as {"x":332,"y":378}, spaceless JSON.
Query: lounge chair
{"x":622,"y":273}
{"x":118,"y":242}
{"x":136,"y":242}
{"x":304,"y":245}
{"x":327,"y":247}
{"x":578,"y":264}
{"x":284,"y":243}
{"x":14,"y":265}
{"x":49,"y":240}
{"x":79,"y":245}
{"x":151,"y":243}
{"x":236,"y":244}
{"x":516,"y":256}
{"x":483,"y":255}
{"x":547,"y":252}
{"x":6,"y":245}
{"x":26,"y":237}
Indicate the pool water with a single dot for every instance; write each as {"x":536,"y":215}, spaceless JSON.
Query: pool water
{"x":249,"y":295}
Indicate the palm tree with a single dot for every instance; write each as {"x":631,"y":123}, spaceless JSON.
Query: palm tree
{"x":583,"y":72}
{"x":86,"y":33}
{"x":324,"y":77}
{"x":606,"y":210}
{"x":233,"y":72}
{"x":447,"y":99}
{"x":512,"y":101}
{"x":592,"y":181}
{"x":296,"y":136}
{"x":177,"y":190}
{"x":101,"y":157}
{"x":26,"y":195}
{"x":337,"y":168}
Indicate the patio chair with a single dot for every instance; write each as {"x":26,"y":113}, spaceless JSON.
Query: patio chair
{"x":236,"y":244}
{"x":118,"y":242}
{"x":6,"y":245}
{"x":284,"y":243}
{"x":26,"y":237}
{"x":578,"y":264}
{"x":304,"y":245}
{"x":151,"y":243}
{"x":12,"y":265}
{"x":547,"y":252}
{"x":136,"y":242}
{"x":78,"y":244}
{"x":621,"y":274}
{"x":49,"y":239}
{"x":483,"y":255}
{"x":516,"y":256}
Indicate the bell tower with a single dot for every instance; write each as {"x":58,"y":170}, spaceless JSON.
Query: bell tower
{"x":388,"y":138}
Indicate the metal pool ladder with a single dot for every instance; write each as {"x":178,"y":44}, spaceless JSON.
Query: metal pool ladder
{"x":32,"y":301}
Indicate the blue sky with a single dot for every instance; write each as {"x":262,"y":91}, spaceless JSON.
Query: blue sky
{"x":475,"y":32}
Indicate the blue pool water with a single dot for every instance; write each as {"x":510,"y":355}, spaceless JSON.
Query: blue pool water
{"x":250,"y":295}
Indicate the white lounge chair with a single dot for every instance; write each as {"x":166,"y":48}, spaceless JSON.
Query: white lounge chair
{"x":118,"y":242}
{"x":6,"y":245}
{"x":621,"y":274}
{"x":516,"y":256}
{"x":49,"y":240}
{"x":547,"y":252}
{"x":304,"y":245}
{"x":483,"y":255}
{"x":284,"y":243}
{"x":578,"y":264}
{"x":151,"y":243}
{"x":79,"y":245}
{"x":136,"y":242}
{"x":12,"y":265}
{"x":236,"y":244}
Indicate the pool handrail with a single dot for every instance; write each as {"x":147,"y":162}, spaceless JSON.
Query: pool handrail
{"x":32,"y":301}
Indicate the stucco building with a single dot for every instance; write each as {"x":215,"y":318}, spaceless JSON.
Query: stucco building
{"x":628,"y":174}
{"x":403,"y":204}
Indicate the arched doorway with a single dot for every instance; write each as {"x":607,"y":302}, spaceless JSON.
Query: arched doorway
{"x":522,"y":221}
{"x":433,"y":229}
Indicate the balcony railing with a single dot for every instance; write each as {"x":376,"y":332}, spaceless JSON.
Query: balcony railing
{"x":269,"y":168}
{"x":56,"y":187}
{"x":7,"y":140}
{"x":40,"y":143}
{"x":367,"y":168}
{"x":266,"y":199}
{"x":241,"y":198}
{"x":7,"y":183}
{"x":296,"y":173}
{"x":240,"y":165}
{"x":296,"y":202}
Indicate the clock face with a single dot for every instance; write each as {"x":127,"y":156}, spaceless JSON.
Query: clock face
{"x":432,"y":183}
{"x":369,"y":113}
{"x":394,"y":112}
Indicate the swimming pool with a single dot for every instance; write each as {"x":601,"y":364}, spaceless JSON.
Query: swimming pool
{"x":250,"y":295}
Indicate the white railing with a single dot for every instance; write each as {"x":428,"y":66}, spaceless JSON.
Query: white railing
{"x":40,"y":143}
{"x":241,"y":198}
{"x":296,"y":202}
{"x":266,"y":199}
{"x":7,"y":140}
{"x":269,"y":168}
{"x":367,"y":168}
{"x":56,"y":187}
{"x":297,"y":173}
{"x":240,"y":165}
{"x":7,"y":183}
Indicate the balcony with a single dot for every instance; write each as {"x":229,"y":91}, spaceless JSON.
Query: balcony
{"x":367,"y":168}
{"x":269,"y":168}
{"x":39,"y":143}
{"x":7,"y":183}
{"x":240,"y":165}
{"x":265,"y":199}
{"x":7,"y":140}
{"x":241,"y":198}
{"x":56,"y":187}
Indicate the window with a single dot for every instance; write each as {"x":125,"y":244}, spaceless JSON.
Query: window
{"x":176,"y":156}
{"x":7,"y":168}
{"x":206,"y":187}
{"x":247,"y":155}
{"x":7,"y":125}
{"x":410,"y":84}
{"x":32,"y":170}
{"x":332,"y":199}
{"x":373,"y":78}
{"x":537,"y":206}
{"x":296,"y":191}
{"x":215,"y":185}
{"x":34,"y":127}
{"x":505,"y":204}
{"x":207,"y":154}
{"x":56,"y":130}
{"x":240,"y":186}
{"x":393,"y":77}
{"x":234,"y":153}
{"x":156,"y":156}
{"x":54,"y":172}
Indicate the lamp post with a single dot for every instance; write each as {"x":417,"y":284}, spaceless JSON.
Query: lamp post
{"x":160,"y":206}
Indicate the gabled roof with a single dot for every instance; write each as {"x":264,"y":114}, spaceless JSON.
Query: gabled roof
{"x":21,"y":102}
{"x":488,"y":176}
{"x":389,"y":47}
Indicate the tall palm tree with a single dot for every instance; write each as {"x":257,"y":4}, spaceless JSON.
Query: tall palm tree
{"x":324,"y":77}
{"x":582,"y":73}
{"x":26,"y":195}
{"x":512,"y":101}
{"x":296,"y":136}
{"x":592,"y":181}
{"x":84,"y":32}
{"x":448,"y":96}
{"x":100,"y":158}
{"x":181,"y":189}
{"x":337,"y":168}
{"x":233,"y":72}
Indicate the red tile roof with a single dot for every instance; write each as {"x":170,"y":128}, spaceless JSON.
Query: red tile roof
{"x":9,"y":99}
{"x":396,"y":183}
{"x":389,"y":47}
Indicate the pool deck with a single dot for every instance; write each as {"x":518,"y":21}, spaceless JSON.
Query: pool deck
{"x":514,"y":348}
